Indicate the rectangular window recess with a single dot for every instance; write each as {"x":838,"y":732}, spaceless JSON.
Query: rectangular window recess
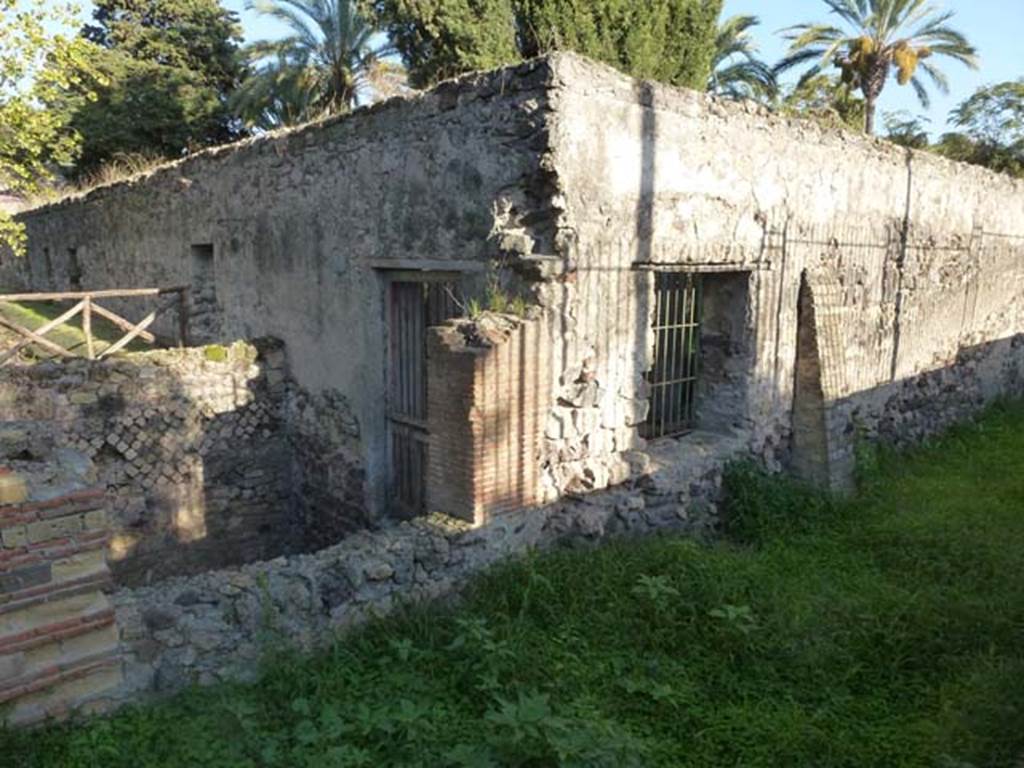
{"x":672,"y":380}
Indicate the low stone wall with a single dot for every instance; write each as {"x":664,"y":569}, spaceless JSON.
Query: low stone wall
{"x":189,"y":444}
{"x":215,"y":626}
{"x":59,"y":648}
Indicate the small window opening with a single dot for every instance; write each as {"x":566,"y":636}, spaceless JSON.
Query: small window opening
{"x":74,"y":270}
{"x":673,"y":378}
{"x":49,"y":277}
{"x":204,"y":318}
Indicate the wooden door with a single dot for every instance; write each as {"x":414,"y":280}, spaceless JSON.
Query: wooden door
{"x":415,"y":303}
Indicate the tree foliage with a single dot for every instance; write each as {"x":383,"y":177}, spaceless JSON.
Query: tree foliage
{"x":878,"y":39}
{"x":736,"y":70}
{"x":826,"y":99}
{"x":329,"y":59}
{"x":37,"y":65}
{"x":667,"y":40}
{"x":906,"y":130}
{"x":992,"y":129}
{"x":170,"y":66}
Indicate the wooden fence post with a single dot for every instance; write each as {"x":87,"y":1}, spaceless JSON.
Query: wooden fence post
{"x":90,"y":349}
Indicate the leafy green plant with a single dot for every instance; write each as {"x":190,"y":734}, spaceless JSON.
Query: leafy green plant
{"x":474,"y":309}
{"x":657,"y":591}
{"x":736,"y":617}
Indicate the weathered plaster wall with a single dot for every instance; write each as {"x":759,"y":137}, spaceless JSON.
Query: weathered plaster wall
{"x":928,"y":255}
{"x":301,"y":223}
{"x":190,"y":446}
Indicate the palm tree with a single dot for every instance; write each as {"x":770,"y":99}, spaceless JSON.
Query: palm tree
{"x":323,"y":67}
{"x":736,"y":72}
{"x":879,"y":38}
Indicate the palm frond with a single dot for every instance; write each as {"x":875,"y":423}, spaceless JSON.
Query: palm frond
{"x":810,"y":74}
{"x":803,"y":35}
{"x":921,"y":91}
{"x":322,"y":67}
{"x":796,"y":59}
{"x":936,"y":75}
{"x":848,"y":11}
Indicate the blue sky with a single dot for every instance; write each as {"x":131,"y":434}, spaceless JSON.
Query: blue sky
{"x":994,"y":26}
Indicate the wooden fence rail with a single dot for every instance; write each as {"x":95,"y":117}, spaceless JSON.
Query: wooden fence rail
{"x":86,"y":305}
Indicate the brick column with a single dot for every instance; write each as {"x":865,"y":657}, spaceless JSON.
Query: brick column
{"x":488,"y":396}
{"x":58,"y":640}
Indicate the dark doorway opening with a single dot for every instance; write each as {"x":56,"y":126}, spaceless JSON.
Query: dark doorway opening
{"x":204,"y":320}
{"x":415,"y":302}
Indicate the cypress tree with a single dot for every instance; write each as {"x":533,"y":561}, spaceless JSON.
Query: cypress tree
{"x":667,"y":40}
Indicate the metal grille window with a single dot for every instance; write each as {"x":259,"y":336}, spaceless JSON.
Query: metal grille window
{"x":673,"y":379}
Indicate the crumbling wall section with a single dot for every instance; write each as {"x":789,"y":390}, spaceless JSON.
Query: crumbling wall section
{"x":215,"y":626}
{"x":293,"y":230}
{"x":190,"y":446}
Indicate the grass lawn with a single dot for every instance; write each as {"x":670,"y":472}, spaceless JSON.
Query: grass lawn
{"x":883,"y":631}
{"x":34,"y":314}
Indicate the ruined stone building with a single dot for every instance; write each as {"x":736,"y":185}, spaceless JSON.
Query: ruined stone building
{"x":542,"y":300}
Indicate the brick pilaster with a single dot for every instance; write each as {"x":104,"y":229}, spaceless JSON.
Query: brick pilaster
{"x":488,"y":397}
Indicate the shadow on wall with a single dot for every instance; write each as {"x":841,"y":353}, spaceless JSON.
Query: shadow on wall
{"x":827,"y":428}
{"x":190,"y":445}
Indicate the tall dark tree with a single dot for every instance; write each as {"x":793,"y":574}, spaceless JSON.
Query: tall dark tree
{"x":171,"y":66}
{"x":877,"y":39}
{"x":668,"y":40}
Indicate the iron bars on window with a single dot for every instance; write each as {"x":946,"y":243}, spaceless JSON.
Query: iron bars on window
{"x":673,"y":378}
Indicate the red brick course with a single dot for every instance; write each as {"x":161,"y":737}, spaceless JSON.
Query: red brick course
{"x":45,"y":646}
{"x":487,"y":407}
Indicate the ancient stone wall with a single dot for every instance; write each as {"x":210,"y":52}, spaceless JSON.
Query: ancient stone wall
{"x":926,"y":258}
{"x":190,"y":446}
{"x":217,"y":626}
{"x":291,"y":235}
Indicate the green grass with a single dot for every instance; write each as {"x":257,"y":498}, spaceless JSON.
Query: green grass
{"x":885,"y":631}
{"x":34,"y":314}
